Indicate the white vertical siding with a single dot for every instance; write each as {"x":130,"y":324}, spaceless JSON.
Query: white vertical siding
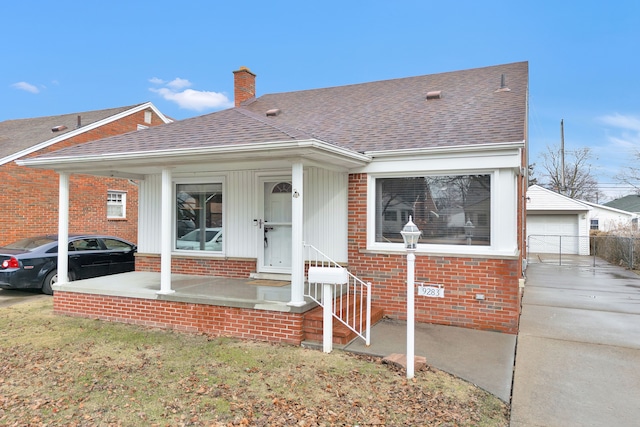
{"x":504,"y":211}
{"x":149,"y":214}
{"x":326,"y":212}
{"x":240,"y":210}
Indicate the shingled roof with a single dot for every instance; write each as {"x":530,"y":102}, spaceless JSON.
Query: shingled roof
{"x":630,"y":203}
{"x":471,"y":107}
{"x":19,"y":135}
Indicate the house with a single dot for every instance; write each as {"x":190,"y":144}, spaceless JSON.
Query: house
{"x":316,"y":170}
{"x":559,"y":224}
{"x":607,"y":218}
{"x":630,"y":203}
{"x":97,"y":205}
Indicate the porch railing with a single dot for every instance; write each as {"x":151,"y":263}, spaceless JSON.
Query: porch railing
{"x":351,"y":302}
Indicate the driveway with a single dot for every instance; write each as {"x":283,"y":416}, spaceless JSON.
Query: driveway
{"x":578,"y":349}
{"x":10,"y":297}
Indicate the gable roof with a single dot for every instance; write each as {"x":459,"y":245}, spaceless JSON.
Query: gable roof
{"x":24,"y":136}
{"x":350,"y":122}
{"x":540,"y":199}
{"x":629,"y":203}
{"x":396,"y":114}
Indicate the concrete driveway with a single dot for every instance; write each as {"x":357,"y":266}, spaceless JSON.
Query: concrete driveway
{"x":10,"y":297}
{"x":578,"y":349}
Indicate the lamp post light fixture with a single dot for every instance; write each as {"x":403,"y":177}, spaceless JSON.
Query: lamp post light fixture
{"x":410,"y":234}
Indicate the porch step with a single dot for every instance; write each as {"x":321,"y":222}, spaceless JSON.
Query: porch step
{"x":312,"y":326}
{"x":270,"y":276}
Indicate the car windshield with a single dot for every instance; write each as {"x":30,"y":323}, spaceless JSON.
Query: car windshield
{"x":30,"y":243}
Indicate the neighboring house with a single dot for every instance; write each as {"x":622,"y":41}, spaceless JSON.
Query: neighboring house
{"x":606,"y":218}
{"x":105,"y":204}
{"x":559,"y":224}
{"x":630,"y":203}
{"x":320,"y":167}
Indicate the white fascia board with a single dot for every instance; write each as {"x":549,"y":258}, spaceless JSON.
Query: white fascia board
{"x":82,"y":130}
{"x":447,"y":159}
{"x":411,"y":152}
{"x":610,"y":209}
{"x":291,"y":148}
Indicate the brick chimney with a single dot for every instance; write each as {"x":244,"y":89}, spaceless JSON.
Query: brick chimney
{"x":244,"y":85}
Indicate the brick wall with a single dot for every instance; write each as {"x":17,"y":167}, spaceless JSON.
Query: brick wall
{"x":30,"y":196}
{"x":462,"y":278}
{"x":262,"y":325}
{"x":227,"y":267}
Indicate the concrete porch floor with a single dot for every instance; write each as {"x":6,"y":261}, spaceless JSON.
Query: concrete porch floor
{"x":250,"y":293}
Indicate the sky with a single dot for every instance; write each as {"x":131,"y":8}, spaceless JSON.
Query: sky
{"x":584,"y":64}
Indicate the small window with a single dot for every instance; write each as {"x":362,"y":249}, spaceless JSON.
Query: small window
{"x":147,"y":116}
{"x":594,"y":224}
{"x":116,"y":204}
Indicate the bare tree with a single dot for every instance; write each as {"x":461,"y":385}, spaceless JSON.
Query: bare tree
{"x":630,"y":174}
{"x":576,"y":182}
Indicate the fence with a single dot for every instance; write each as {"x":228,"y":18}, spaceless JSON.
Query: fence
{"x":618,"y":250}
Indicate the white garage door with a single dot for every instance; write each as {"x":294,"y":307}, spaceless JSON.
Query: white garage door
{"x":553,"y":233}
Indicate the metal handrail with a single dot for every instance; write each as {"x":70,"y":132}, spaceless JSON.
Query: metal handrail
{"x":347,"y":296}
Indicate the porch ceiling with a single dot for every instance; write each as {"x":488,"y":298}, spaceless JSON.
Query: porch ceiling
{"x":270,"y":154}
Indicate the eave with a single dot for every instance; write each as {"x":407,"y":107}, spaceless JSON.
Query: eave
{"x":135,"y":165}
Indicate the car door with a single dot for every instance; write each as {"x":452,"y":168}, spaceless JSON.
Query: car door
{"x":121,"y":255}
{"x":88,"y":258}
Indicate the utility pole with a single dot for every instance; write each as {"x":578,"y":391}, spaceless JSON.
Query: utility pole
{"x":563,"y":186}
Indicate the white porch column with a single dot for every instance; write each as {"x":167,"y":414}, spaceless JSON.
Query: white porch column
{"x":63,"y":228}
{"x":166,"y":228}
{"x":297,"y":252}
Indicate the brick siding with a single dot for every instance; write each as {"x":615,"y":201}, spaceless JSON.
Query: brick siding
{"x":261,"y":325}
{"x":226,"y":267}
{"x":462,"y":278}
{"x":30,"y":196}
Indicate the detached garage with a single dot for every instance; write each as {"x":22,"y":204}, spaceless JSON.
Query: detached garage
{"x":556,"y":223}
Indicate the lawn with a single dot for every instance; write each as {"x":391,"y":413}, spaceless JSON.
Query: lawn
{"x":67,"y":371}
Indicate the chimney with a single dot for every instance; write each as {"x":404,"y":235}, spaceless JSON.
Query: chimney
{"x":244,"y":85}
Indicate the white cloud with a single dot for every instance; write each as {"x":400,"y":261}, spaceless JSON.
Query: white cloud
{"x":178,"y":83}
{"x":27,"y":87}
{"x":189,"y":99}
{"x":622,"y":121}
{"x":624,"y":132}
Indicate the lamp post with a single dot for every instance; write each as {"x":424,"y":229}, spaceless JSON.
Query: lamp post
{"x":410,"y":234}
{"x":468,"y":230}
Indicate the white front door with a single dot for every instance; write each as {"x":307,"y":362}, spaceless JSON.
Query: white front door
{"x":276,"y":227}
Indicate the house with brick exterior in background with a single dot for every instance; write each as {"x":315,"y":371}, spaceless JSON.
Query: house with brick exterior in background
{"x":101,"y":205}
{"x":236,"y":206}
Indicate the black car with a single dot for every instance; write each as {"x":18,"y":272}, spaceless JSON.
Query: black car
{"x":32,"y":263}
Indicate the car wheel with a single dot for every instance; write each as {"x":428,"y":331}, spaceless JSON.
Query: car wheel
{"x":51,"y":279}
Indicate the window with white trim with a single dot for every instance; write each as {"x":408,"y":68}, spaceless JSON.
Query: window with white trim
{"x":116,"y":204}
{"x":449,"y":210}
{"x":594,"y":224}
{"x":199,"y":219}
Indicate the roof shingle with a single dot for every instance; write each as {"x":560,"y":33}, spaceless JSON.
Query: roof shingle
{"x":377,"y":116}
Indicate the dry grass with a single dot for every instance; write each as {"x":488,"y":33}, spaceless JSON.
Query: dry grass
{"x":62,"y":371}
